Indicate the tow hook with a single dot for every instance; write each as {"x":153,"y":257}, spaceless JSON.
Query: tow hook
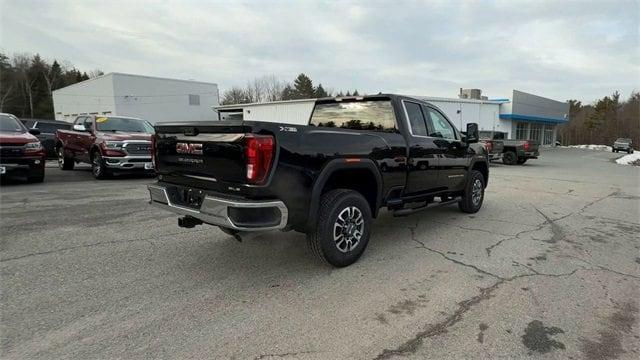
{"x":188,"y":222}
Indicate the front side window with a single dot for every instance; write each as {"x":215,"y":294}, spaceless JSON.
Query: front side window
{"x":115,"y":124}
{"x":440,"y":127}
{"x":357,"y":115}
{"x":11,"y":124}
{"x":416,"y":119}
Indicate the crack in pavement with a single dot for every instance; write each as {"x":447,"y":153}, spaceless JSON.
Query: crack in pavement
{"x":412,"y":345}
{"x":282,"y":355}
{"x":422,"y":245}
{"x":556,"y":230}
{"x":112,"y":242}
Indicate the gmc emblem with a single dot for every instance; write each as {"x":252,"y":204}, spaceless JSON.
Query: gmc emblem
{"x":187,"y":148}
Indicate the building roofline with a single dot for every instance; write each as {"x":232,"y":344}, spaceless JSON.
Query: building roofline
{"x":521,"y":117}
{"x":455,"y":100}
{"x":113,"y":74}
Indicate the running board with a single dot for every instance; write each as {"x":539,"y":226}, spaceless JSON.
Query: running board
{"x":409,"y":211}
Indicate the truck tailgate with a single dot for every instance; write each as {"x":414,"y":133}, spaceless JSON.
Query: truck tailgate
{"x":207,"y":151}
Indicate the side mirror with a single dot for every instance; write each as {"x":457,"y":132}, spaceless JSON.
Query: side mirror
{"x":472,"y":133}
{"x":79,"y":127}
{"x":34,"y":131}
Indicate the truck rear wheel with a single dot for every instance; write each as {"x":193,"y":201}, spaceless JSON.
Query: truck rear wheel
{"x":473,"y":193}
{"x":509,"y":158}
{"x":64,"y":162}
{"x":343,"y":228}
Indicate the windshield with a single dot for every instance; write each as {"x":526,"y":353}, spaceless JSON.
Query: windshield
{"x":123,"y":124}
{"x":11,"y":124}
{"x":623,"y":140}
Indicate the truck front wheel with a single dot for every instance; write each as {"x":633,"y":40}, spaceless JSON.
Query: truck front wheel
{"x":473,"y":195}
{"x":509,"y":158}
{"x":343,"y":228}
{"x":97,"y":166}
{"x":64,"y":162}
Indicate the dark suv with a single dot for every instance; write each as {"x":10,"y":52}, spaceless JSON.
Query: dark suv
{"x":47,"y":134}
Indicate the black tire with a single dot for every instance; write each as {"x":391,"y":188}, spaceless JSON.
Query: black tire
{"x":522,"y":161}
{"x":98,"y":169}
{"x":629,"y":151}
{"x":336,"y":208}
{"x":64,"y":162}
{"x":228,"y":231}
{"x":509,"y":158}
{"x":470,"y":204}
{"x":613,"y":150}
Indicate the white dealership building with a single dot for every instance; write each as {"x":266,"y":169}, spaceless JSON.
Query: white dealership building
{"x":151,"y":98}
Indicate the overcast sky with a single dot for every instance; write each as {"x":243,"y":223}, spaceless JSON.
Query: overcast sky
{"x":558,"y":49}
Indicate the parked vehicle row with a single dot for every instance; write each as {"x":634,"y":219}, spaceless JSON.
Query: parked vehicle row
{"x":111,"y":144}
{"x":327,"y":177}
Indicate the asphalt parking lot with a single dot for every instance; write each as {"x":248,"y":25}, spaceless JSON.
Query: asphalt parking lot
{"x":549,"y":268}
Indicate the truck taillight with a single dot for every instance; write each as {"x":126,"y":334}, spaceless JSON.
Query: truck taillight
{"x":259,"y":152}
{"x":527,"y":146}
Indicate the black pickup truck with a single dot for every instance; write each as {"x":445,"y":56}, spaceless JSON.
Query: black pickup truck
{"x":326,"y":175}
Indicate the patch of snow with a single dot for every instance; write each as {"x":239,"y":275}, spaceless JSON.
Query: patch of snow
{"x":631,"y":159}
{"x":590,"y":147}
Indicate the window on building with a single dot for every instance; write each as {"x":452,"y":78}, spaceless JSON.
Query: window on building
{"x":440,"y":127}
{"x":535,"y":132}
{"x":548,"y":134}
{"x":194,"y":99}
{"x":522,"y":130}
{"x":358,"y":115}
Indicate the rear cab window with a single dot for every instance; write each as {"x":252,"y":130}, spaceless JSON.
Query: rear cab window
{"x":373,"y":115}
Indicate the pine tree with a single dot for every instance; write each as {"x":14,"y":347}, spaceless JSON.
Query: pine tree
{"x":355,"y":93}
{"x":320,"y":92}
{"x":288,"y":93}
{"x":303,"y":87}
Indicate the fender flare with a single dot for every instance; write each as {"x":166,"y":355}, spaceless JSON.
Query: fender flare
{"x":329,"y":169}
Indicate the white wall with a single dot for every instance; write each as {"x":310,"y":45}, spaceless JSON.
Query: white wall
{"x":158,"y":99}
{"x":91,"y":96}
{"x":297,"y":113}
{"x":150,"y":98}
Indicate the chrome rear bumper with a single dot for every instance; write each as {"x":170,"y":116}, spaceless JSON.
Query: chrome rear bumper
{"x":216,"y":211}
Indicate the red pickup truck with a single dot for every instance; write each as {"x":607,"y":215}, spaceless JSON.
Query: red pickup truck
{"x":111,"y":144}
{"x":21,"y":153}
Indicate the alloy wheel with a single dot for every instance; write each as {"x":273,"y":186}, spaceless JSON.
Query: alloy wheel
{"x":348,"y":229}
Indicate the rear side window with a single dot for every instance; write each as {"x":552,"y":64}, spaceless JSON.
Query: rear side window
{"x":357,"y":115}
{"x":416,"y":119}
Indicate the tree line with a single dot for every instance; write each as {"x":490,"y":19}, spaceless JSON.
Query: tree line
{"x":270,"y":88}
{"x":28,"y":81}
{"x":603,"y":121}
